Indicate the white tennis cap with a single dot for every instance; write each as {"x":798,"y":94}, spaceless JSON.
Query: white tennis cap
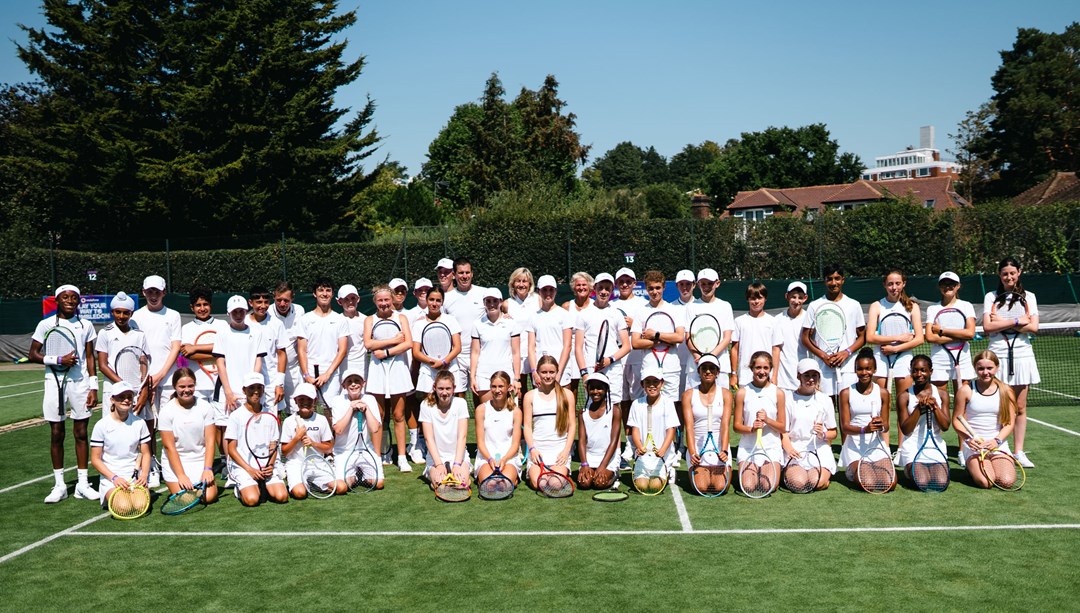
{"x":708,"y":358}
{"x":154,"y":282}
{"x":422,"y":282}
{"x":122,"y":301}
{"x":121,"y":387}
{"x":948,"y":275}
{"x":352,"y":372}
{"x":445,"y":263}
{"x":598,"y":377}
{"x":492,"y":292}
{"x":625,"y":272}
{"x":652,"y":373}
{"x":305,"y":390}
{"x":236,"y":302}
{"x":604,"y":277}
{"x":66,"y":288}
{"x":254,"y":378}
{"x":398,"y":282}
{"x":684,"y":275}
{"x":808,"y":365}
{"x":546,"y":281}
{"x":796,"y":285}
{"x":707,"y":274}
{"x":347,"y":290}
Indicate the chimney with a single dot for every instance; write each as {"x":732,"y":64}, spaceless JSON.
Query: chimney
{"x":926,"y":137}
{"x":701,"y":206}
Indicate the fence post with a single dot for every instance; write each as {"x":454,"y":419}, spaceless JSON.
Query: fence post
{"x":284,"y":264}
{"x":52,"y":260}
{"x":168,"y":266}
{"x":405,"y":250}
{"x":569,"y":264}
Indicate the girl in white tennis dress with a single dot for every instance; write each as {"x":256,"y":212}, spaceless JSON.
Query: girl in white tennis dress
{"x":864,"y":414}
{"x":498,"y":431}
{"x":912,"y":421}
{"x":989,"y":408}
{"x":120,"y":444}
{"x":389,"y":379}
{"x":445,"y":420}
{"x":549,"y":424}
{"x":697,"y":404}
{"x":598,"y":443}
{"x":188,"y":436}
{"x":811,"y":427}
{"x":759,"y":405}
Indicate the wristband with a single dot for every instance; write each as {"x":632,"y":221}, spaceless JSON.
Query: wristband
{"x":862,"y":430}
{"x":583,"y":372}
{"x":50,"y":360}
{"x":208,"y":468}
{"x":997,"y":441}
{"x":1016,"y":321}
{"x":585,"y":464}
{"x":656,"y":337}
{"x":114,"y":478}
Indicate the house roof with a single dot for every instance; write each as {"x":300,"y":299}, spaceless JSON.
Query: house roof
{"x":1062,"y":187}
{"x":798,"y":199}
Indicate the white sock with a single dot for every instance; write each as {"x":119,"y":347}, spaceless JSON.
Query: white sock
{"x":58,"y":476}
{"x":82,"y":472}
{"x":413,"y":439}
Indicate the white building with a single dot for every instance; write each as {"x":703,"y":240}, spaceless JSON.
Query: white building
{"x":913,"y":163}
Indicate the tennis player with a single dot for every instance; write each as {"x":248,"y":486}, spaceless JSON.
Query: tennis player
{"x":80,"y":392}
{"x":696,"y":403}
{"x":754,"y":331}
{"x":465,"y":302}
{"x":445,"y":420}
{"x":921,"y":396}
{"x":811,"y":426}
{"x":944,"y":369}
{"x":431,"y":365}
{"x":760,"y":405}
{"x":1023,"y":372}
{"x":188,"y":438}
{"x":646,"y":340}
{"x":201,"y":302}
{"x":273,"y":334}
{"x":304,"y":428}
{"x":587,"y":335}
{"x":354,"y":404}
{"x":496,"y":344}
{"x":161,"y":325}
{"x":684,"y":306}
{"x":415,"y":447}
{"x":356,"y":355}
{"x":291,"y":317}
{"x":389,"y":379}
{"x":550,"y":331}
{"x":581,"y":283}
{"x":326,"y":342}
{"x":520,"y":306}
{"x":990,"y":408}
{"x":239,"y":350}
{"x":120,"y":444}
{"x":708,"y":282}
{"x":251,"y":481}
{"x":838,"y":369}
{"x":444,"y":274}
{"x":864,"y":414}
{"x":899,"y":348}
{"x":598,"y":436}
{"x":631,"y":306}
{"x":114,"y":337}
{"x":498,"y":431}
{"x":399,"y":291}
{"x":792,"y":351}
{"x":664,"y":422}
{"x":550,"y":426}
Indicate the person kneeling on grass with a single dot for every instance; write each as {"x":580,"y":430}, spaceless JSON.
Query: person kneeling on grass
{"x":445,"y":420}
{"x":598,"y":443}
{"x":120,"y":444}
{"x":653,"y":414}
{"x":350,"y":433}
{"x":303,"y":429}
{"x":253,"y":480}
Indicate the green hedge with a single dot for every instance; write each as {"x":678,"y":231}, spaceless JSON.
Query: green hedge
{"x":867,"y":241}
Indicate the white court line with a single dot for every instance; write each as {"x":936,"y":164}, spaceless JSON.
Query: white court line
{"x":1049,"y":425}
{"x":18,"y":384}
{"x":33,"y":546}
{"x":732,"y":531}
{"x":18,"y":485}
{"x":22,"y":394}
{"x":684,"y":519}
{"x":1046,"y":391}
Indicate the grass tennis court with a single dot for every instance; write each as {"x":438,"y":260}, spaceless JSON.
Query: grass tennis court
{"x":840,"y":549}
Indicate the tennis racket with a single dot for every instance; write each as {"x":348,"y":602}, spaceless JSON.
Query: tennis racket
{"x":952,"y":319}
{"x":208,"y":365}
{"x":384,"y":330}
{"x":1010,"y":305}
{"x":930,"y":468}
{"x":321,"y":406}
{"x":661,"y":322}
{"x":436,"y":341}
{"x":622,"y":313}
{"x":1007,"y":474}
{"x":57,"y":344}
{"x":754,"y":480}
{"x":262,"y":435}
{"x":318,"y":474}
{"x":553,"y":484}
{"x":601,"y":346}
{"x":801,"y":475}
{"x":132,"y":365}
{"x":705,"y":332}
{"x":452,"y":490}
{"x":893,"y":324}
{"x":709,"y":476}
{"x":610,"y":496}
{"x":830,"y":324}
{"x":131,"y":502}
{"x":650,"y":474}
{"x":496,"y":486}
{"x":876,"y":471}
{"x":183,"y":500}
{"x":361,"y":467}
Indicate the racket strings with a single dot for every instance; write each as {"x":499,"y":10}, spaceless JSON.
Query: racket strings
{"x":554,"y":485}
{"x":758,"y":476}
{"x":496,"y":487}
{"x":877,"y":476}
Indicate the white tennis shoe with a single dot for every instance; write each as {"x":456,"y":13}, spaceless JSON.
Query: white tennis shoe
{"x":84,"y":491}
{"x":58,"y":493}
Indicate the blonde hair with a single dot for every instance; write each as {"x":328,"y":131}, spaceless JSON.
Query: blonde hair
{"x":582,"y":275}
{"x":520,"y":272}
{"x":433,"y":399}
{"x":511,"y":399}
{"x":1005,"y":397}
{"x":562,"y":408}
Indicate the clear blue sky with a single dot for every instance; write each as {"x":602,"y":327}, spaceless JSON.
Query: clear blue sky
{"x":670,"y":73}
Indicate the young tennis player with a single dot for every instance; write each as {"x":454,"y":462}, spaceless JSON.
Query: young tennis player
{"x":520,"y":306}
{"x":1021,"y":371}
{"x":663,"y":425}
{"x":990,"y":408}
{"x":838,"y":365}
{"x":945,"y":358}
{"x":415,"y":447}
{"x":323,"y":349}
{"x":912,"y":405}
{"x":709,"y":397}
{"x":498,"y":431}
{"x":587,"y":330}
{"x":120,"y":444}
{"x":496,"y":344}
{"x":389,"y":379}
{"x":254,"y":478}
{"x":291,"y":317}
{"x":115,"y":337}
{"x":598,"y":436}
{"x":432,"y":364}
{"x":630,"y":306}
{"x":550,"y":330}
{"x":444,"y":274}
{"x":357,"y":422}
{"x":684,"y":307}
{"x":301,"y":430}
{"x":581,"y":283}
{"x":238,"y":350}
{"x":760,"y":405}
{"x":197,"y":349}
{"x":273,"y":334}
{"x":549,"y":421}
{"x":162,"y":328}
{"x":465,"y":302}
{"x":658,"y":348}
{"x":864,"y":415}
{"x":399,"y":290}
{"x":811,"y":428}
{"x":188,"y":438}
{"x":79,"y":392}
{"x":754,"y":331}
{"x":792,"y":351}
{"x":445,"y":420}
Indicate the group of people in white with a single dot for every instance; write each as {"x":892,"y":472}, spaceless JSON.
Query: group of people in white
{"x":397,"y":380}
